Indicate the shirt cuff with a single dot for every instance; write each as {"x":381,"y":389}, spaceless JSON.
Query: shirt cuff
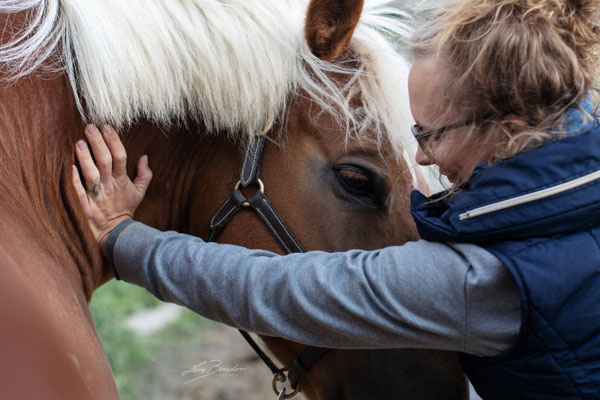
{"x":110,"y":245}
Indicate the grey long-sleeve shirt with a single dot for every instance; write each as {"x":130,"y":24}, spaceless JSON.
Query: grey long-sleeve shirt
{"x":420,"y":295}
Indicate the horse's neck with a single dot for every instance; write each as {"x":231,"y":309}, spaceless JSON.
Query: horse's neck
{"x":39,"y":125}
{"x":41,"y":228}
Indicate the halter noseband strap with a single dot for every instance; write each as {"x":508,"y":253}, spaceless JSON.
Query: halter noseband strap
{"x":250,"y":175}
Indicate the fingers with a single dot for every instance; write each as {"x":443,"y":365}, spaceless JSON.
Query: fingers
{"x":144,"y":175}
{"x":91,"y":175}
{"x":117,"y":150}
{"x":101,"y":152}
{"x":111,"y":160}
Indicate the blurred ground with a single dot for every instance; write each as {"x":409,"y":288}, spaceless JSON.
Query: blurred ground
{"x":244,"y":377}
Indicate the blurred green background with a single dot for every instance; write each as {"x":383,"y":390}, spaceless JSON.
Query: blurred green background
{"x":151,"y":366}
{"x":131,"y":354}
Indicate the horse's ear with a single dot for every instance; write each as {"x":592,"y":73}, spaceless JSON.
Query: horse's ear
{"x":330,"y":25}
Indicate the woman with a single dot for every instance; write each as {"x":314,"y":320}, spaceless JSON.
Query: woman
{"x":508,"y":270}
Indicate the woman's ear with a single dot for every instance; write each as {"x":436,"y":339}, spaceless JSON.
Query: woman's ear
{"x":330,"y":25}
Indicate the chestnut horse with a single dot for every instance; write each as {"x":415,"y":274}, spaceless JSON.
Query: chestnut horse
{"x":188,"y":83}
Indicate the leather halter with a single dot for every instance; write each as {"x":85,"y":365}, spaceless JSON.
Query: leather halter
{"x":250,"y":175}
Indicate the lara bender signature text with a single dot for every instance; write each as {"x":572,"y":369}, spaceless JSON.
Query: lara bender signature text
{"x":212,"y":367}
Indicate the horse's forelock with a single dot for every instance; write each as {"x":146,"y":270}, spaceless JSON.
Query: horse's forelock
{"x":230,"y":64}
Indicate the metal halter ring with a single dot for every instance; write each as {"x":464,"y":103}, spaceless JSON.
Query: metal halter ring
{"x":280,"y":377}
{"x":261,"y":188}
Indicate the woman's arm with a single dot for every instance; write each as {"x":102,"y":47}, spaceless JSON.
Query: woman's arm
{"x":420,"y":295}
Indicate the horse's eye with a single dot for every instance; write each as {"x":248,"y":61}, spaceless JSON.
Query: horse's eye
{"x":361,"y":185}
{"x":354,"y":180}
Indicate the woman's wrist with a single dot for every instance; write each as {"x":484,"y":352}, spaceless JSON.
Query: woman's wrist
{"x":102,"y":242}
{"x":108,"y":245}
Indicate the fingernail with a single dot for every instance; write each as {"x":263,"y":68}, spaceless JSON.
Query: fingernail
{"x":75,"y":172}
{"x":91,"y":130}
{"x":81,"y":145}
{"x":107,"y":130}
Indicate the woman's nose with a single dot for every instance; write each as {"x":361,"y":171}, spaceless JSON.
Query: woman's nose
{"x":422,"y":158}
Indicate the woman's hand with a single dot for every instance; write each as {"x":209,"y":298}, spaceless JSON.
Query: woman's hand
{"x":110,"y":197}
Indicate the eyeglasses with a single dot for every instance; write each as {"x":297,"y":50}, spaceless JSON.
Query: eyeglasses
{"x":425,"y":138}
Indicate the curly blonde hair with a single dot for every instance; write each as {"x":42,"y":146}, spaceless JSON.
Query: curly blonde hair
{"x":529,"y":58}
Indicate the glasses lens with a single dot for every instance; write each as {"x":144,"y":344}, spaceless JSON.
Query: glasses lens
{"x":424,"y":140}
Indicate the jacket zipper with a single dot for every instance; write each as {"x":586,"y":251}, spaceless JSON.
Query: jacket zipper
{"x":526,"y":198}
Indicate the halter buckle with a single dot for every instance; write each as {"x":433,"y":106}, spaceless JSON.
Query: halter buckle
{"x":261,"y":188}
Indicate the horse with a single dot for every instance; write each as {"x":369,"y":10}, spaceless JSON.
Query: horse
{"x":191,"y":83}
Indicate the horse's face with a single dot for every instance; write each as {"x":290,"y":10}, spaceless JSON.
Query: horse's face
{"x":335,"y":195}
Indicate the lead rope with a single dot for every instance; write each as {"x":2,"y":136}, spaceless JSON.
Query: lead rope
{"x":250,"y":175}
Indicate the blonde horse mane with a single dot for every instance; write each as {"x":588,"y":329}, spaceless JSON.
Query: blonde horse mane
{"x":232,"y":64}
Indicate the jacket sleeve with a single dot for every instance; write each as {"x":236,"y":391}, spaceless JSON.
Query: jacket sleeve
{"x":420,"y":295}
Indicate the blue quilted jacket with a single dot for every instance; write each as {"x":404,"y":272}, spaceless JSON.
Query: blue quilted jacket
{"x":539,"y":213}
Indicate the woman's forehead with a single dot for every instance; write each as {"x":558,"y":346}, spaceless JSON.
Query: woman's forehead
{"x":429,"y":85}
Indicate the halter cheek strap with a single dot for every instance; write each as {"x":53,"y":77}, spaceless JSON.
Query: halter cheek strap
{"x":250,"y":175}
